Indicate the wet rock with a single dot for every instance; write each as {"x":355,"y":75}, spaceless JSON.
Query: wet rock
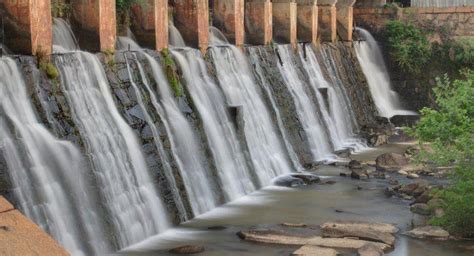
{"x":393,"y":182}
{"x":408,"y":189}
{"x":187,"y":249}
{"x":359,"y":174}
{"x":379,"y":232}
{"x":377,"y":140}
{"x":216,"y":228}
{"x":436,"y":203}
{"x":423,"y":198}
{"x":378,"y":175}
{"x":312,"y":250}
{"x":294,"y":225}
{"x":307,"y":178}
{"x":289,"y":181}
{"x":402,"y":172}
{"x":344,"y":174}
{"x":413,"y":176}
{"x":328,"y":182}
{"x":429,"y":232}
{"x":354,"y":164}
{"x":390,"y":161}
{"x":278,"y":237}
{"x":422,"y":209}
{"x":369,"y":250}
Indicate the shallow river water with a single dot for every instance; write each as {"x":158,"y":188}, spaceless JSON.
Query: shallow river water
{"x":347,"y":199}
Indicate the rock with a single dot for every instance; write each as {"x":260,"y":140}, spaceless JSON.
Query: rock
{"x":390,"y":161}
{"x":294,"y":225}
{"x":344,"y":174}
{"x":216,"y":228}
{"x":312,"y":250}
{"x":422,"y":209}
{"x":412,"y":176}
{"x":369,"y":250}
{"x":307,"y":178}
{"x":402,"y":172}
{"x":354,"y":164}
{"x":359,"y":174}
{"x":423,"y":198}
{"x":439,"y":212}
{"x":289,"y":181}
{"x":408,"y":188}
{"x":278,"y":237}
{"x":436,"y":203}
{"x":378,"y":232}
{"x":393,"y":182}
{"x":187,"y":249}
{"x":429,"y":232}
{"x":378,"y":175}
{"x":328,"y":182}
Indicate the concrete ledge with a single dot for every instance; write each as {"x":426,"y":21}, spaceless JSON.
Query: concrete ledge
{"x":258,"y":22}
{"x":20,"y":236}
{"x":229,"y":18}
{"x":28,"y":26}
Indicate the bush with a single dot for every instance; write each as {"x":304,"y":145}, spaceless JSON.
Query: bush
{"x":170,"y":70}
{"x":449,"y":130}
{"x":409,"y":45}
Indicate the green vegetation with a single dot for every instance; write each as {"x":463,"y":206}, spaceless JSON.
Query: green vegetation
{"x":45,"y":65}
{"x":60,"y":9}
{"x":170,"y":69}
{"x":408,"y":44}
{"x":449,"y":132}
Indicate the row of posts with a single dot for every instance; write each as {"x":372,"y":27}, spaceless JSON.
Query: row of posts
{"x":28,"y":23}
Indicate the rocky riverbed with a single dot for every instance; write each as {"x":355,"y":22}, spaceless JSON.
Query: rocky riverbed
{"x":299,"y":217}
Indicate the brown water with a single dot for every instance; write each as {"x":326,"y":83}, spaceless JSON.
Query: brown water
{"x":313,"y":205}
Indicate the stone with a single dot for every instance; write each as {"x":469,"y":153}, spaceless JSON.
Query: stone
{"x":278,"y":237}
{"x":379,"y":175}
{"x":428,"y":232}
{"x":216,"y":228}
{"x":354,"y":164}
{"x":413,"y":176}
{"x":422,"y":209}
{"x":408,"y":188}
{"x":436,"y":203}
{"x":391,"y":161}
{"x":379,"y":232}
{"x":369,"y":250}
{"x":294,"y":225}
{"x":438,"y":212}
{"x":307,"y":178}
{"x":359,"y":174}
{"x":312,"y":250}
{"x":187,"y":249}
{"x":289,"y":181}
{"x":402,"y":172}
{"x":423,"y":198}
{"x":328,"y":182}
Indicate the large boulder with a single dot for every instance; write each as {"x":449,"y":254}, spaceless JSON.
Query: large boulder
{"x":369,"y":250}
{"x":187,"y":249}
{"x":390,"y":161}
{"x":379,"y":232}
{"x":429,"y":232}
{"x":422,"y":209}
{"x":312,"y":250}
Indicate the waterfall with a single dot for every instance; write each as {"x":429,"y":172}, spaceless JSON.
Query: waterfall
{"x":216,"y":37}
{"x":175,"y":38}
{"x":266,"y":150}
{"x":373,"y":65}
{"x":335,"y":108}
{"x":126,"y":188}
{"x":50,"y":176}
{"x":233,"y":172}
{"x":63,"y":37}
{"x":306,"y":110}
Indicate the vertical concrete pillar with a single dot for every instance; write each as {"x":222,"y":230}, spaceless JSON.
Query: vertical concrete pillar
{"x":258,"y":22}
{"x":149,"y":24}
{"x":94,"y":24}
{"x":284,"y":21}
{"x":28,"y":26}
{"x":307,"y":21}
{"x":191,"y":17}
{"x":345,"y":19}
{"x":327,"y":20}
{"x":229,"y":18}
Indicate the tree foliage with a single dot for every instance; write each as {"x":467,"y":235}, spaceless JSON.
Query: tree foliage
{"x":449,"y":130}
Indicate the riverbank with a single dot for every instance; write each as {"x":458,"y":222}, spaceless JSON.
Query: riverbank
{"x":345,"y":200}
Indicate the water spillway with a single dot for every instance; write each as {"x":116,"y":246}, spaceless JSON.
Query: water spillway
{"x":135,"y":142}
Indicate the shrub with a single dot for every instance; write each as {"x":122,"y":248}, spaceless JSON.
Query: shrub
{"x":408,"y":45}
{"x":450,"y":131}
{"x":171,"y":74}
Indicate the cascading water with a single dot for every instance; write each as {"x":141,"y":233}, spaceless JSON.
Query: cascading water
{"x":266,"y":150}
{"x":175,"y":38}
{"x":63,"y":38}
{"x":126,"y":188}
{"x":337,"y":113}
{"x":373,"y":66}
{"x":233,"y":172}
{"x":216,"y":37}
{"x":306,"y":110}
{"x":49,"y":175}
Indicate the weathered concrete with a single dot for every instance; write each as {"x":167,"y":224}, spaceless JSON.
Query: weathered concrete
{"x":327,"y":20}
{"x":307,"y":21}
{"x":149,"y":24}
{"x":284,"y":21}
{"x":20,"y":236}
{"x":94,"y":24}
{"x":191,"y":17}
{"x":258,"y":22}
{"x":370,"y":3}
{"x":344,"y":18}
{"x":229,"y":18}
{"x":28,"y":26}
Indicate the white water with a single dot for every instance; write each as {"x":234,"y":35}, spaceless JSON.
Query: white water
{"x":320,"y":146}
{"x":50,"y":177}
{"x":373,"y":65}
{"x":338,"y":115}
{"x":63,"y":37}
{"x":216,"y":37}
{"x":126,"y":187}
{"x":266,"y":149}
{"x":233,"y":173}
{"x":175,"y":38}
